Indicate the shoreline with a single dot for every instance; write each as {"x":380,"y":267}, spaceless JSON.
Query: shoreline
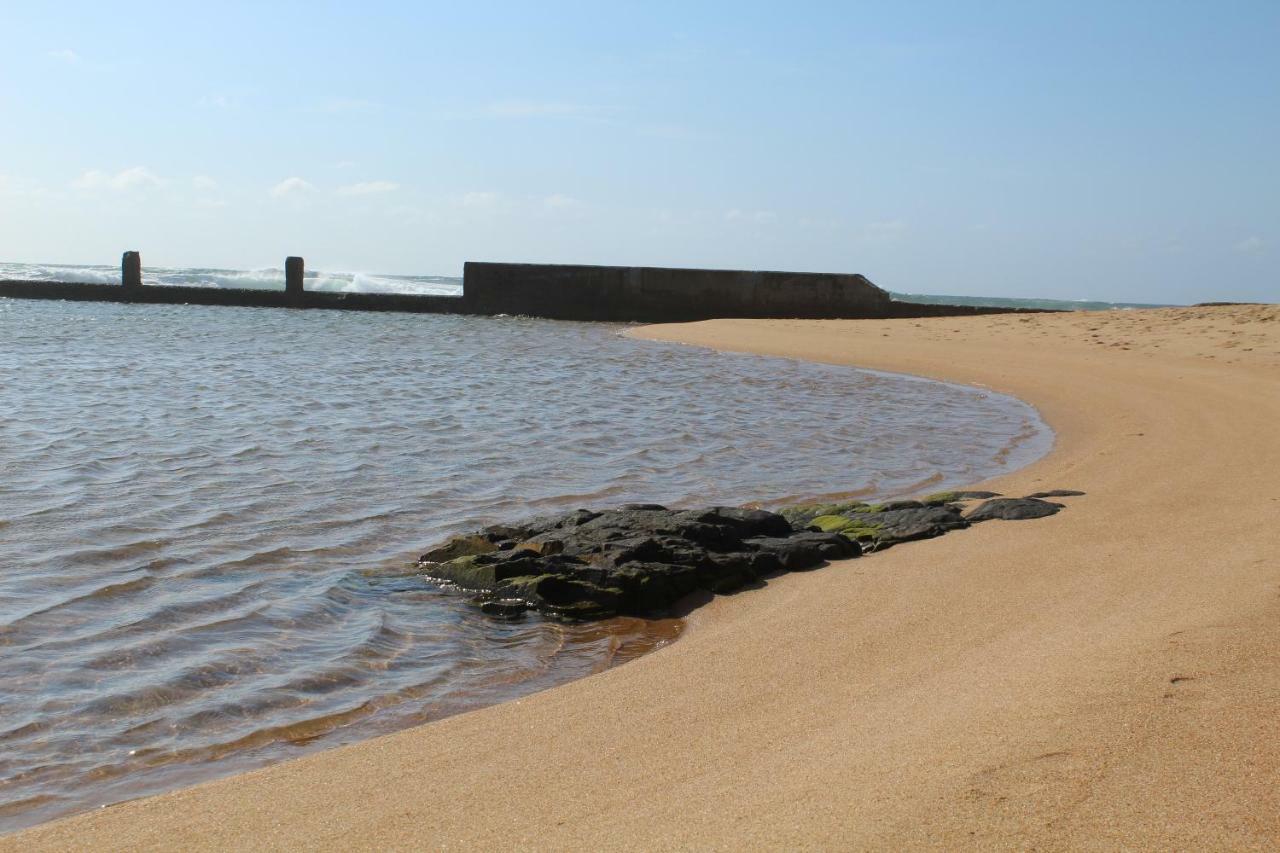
{"x":1095,"y":676}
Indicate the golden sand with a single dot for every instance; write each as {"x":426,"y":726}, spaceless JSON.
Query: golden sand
{"x":1106,"y":677}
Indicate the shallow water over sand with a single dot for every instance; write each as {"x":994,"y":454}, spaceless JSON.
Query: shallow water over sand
{"x":208,"y":516}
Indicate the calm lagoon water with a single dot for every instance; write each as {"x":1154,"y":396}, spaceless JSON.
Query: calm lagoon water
{"x":208,"y":516}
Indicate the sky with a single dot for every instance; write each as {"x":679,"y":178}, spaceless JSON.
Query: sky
{"x":1123,"y":151}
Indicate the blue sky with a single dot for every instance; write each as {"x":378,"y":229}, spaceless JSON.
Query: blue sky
{"x":1121,"y":151}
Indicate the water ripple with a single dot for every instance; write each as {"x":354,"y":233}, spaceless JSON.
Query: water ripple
{"x":209,"y":514}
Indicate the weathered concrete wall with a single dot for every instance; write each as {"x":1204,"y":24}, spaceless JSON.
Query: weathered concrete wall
{"x":659,"y":294}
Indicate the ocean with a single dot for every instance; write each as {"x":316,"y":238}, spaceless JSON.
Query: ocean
{"x":209,"y":516}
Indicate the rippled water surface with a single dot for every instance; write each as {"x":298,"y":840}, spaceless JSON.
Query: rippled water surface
{"x":208,"y":516}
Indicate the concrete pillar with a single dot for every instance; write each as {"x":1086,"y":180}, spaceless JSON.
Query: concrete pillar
{"x":131,"y":270}
{"x":293,"y":268}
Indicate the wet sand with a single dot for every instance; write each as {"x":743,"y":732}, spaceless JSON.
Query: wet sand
{"x":1105,"y":677}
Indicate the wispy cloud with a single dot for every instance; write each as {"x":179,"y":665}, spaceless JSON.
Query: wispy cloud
{"x":204,"y":183}
{"x":1254,"y":245}
{"x":218,"y":101}
{"x":369,"y":188}
{"x":292,"y":187}
{"x":138,"y":177}
{"x":562,"y":202}
{"x":514,"y":109}
{"x":348,"y":105}
{"x":481,"y":200}
{"x":760,"y":217}
{"x":66,"y":55}
{"x":672,"y":131}
{"x":882,"y":233}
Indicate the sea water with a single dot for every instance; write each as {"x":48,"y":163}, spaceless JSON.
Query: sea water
{"x":209,"y":516}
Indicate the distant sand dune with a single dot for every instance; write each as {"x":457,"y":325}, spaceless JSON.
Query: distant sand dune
{"x":1106,"y":677}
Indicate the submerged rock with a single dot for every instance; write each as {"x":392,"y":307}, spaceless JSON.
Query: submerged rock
{"x":643,"y":558}
{"x":637,"y":559}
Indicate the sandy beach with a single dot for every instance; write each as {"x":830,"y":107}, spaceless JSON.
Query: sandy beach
{"x":1107,"y":677}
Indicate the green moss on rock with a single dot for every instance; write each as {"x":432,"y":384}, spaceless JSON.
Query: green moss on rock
{"x":469,"y":545}
{"x":465,"y":572}
{"x":801,"y":515}
{"x":852,"y":528}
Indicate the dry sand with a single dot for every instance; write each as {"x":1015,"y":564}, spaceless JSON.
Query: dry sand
{"x":1106,"y":677}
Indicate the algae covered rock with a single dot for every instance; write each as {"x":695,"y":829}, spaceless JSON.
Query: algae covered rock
{"x":643,"y":558}
{"x":882,"y":525}
{"x":801,"y":515}
{"x":469,"y":545}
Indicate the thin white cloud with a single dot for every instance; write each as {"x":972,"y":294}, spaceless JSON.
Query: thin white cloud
{"x":220,"y":102}
{"x":481,"y":199}
{"x":561,"y":202}
{"x":348,"y":105}
{"x":881,"y":233}
{"x":672,"y":131}
{"x":66,"y":55}
{"x":760,"y":217}
{"x":369,"y":188}
{"x":1251,"y":245}
{"x":292,"y":187}
{"x":534,"y":109}
{"x":138,"y":177}
{"x":204,"y":183}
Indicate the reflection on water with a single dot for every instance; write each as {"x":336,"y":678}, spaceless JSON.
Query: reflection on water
{"x":208,"y":516}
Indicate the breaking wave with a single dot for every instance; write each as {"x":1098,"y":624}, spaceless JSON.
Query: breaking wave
{"x":267,"y":278}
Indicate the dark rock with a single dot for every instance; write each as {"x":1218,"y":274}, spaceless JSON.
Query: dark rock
{"x":883,"y":528}
{"x":562,"y":596}
{"x":642,"y":558}
{"x":1057,"y":493}
{"x":806,"y":549}
{"x":635,"y":559}
{"x":469,"y":545}
{"x":1013,"y":509}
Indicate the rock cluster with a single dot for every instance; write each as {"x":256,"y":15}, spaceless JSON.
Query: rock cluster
{"x":643,"y":558}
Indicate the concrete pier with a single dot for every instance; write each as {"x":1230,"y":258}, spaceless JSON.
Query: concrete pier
{"x":555,"y":291}
{"x":293,"y":276}
{"x":131,"y":271}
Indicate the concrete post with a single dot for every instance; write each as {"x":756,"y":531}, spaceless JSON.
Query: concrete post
{"x":293,"y":268}
{"x":131,"y":270}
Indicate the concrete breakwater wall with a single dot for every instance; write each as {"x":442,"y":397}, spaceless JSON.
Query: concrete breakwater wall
{"x":660,"y":294}
{"x":555,"y":291}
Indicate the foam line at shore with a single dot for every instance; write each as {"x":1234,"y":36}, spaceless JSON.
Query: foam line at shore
{"x":1103,"y":677}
